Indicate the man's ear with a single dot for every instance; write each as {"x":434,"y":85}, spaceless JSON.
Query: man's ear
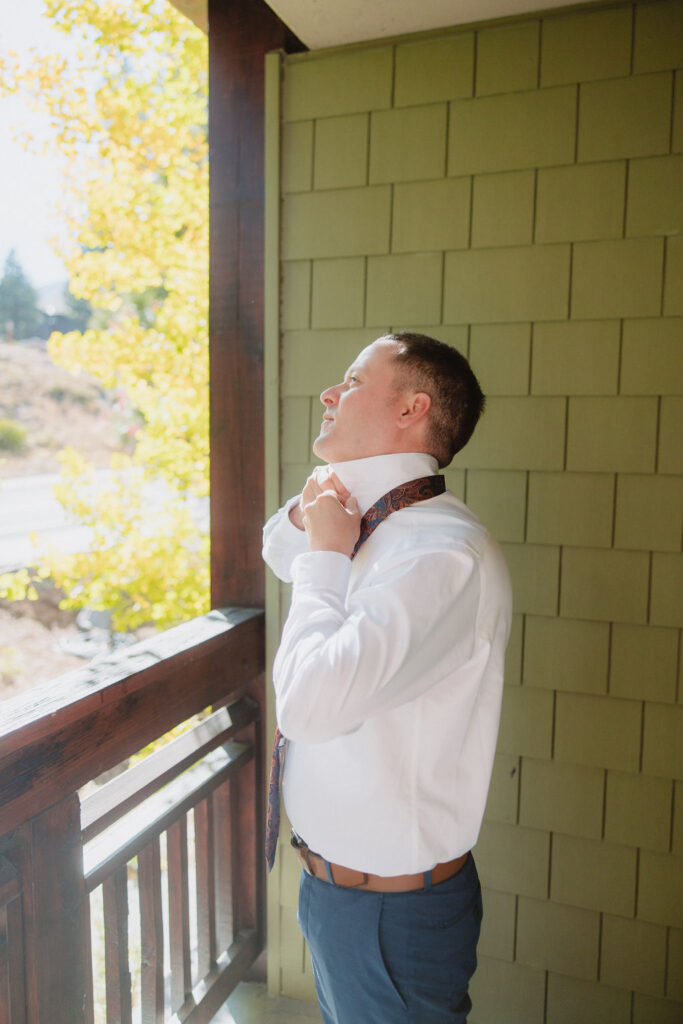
{"x":415,"y":409}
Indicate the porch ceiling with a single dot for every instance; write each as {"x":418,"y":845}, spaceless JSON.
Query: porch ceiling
{"x":321,"y":23}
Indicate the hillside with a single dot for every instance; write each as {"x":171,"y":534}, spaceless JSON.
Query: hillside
{"x":56,"y":408}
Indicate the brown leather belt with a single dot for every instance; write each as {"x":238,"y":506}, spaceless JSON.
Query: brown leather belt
{"x":349,"y":878}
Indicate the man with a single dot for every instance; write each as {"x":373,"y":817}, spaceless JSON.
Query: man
{"x":388,"y":686}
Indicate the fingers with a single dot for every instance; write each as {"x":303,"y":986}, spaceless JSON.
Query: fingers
{"x":324,"y":476}
{"x":342,"y":491}
{"x":331,"y":525}
{"x":316,"y":505}
{"x":311,"y":490}
{"x":320,"y":481}
{"x":327,"y":503}
{"x":320,"y":497}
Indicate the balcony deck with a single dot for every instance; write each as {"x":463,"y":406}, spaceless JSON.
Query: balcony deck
{"x":251,"y":1004}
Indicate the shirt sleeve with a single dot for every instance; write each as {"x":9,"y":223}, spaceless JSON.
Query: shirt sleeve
{"x":343,"y":659}
{"x":283,"y":541}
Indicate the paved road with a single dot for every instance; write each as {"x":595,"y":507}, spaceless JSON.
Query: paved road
{"x":27,"y":505}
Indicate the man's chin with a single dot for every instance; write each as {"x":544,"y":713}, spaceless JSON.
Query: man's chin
{"x":320,"y":448}
{"x":328,"y":453}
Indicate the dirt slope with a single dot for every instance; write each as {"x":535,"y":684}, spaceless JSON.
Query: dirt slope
{"x":56,"y":408}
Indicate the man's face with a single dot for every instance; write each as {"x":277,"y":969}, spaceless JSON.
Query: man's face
{"x":361,"y":413}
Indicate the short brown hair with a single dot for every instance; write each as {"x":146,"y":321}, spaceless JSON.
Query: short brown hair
{"x":439,"y":370}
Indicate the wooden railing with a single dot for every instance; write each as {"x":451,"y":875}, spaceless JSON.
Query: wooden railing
{"x":148,"y":886}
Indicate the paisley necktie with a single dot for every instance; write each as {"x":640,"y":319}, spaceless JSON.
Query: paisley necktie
{"x":400,"y":497}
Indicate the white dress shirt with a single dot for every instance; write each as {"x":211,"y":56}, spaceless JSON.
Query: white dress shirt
{"x":388,"y":680}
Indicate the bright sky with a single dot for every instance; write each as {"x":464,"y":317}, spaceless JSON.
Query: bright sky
{"x":30,"y":185}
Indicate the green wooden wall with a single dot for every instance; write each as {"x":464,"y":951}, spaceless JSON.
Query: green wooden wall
{"x":516,"y":189}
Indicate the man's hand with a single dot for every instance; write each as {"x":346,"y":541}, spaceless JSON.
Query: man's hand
{"x":330,"y":515}
{"x":321,"y":479}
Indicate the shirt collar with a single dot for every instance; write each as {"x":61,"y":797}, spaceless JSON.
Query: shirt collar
{"x":368,"y":479}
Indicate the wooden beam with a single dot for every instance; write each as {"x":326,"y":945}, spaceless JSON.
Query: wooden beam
{"x":241,"y":32}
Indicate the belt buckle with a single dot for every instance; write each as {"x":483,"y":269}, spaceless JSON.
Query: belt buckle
{"x":302,"y":850}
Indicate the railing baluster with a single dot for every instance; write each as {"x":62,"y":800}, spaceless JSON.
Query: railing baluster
{"x":179,"y":913}
{"x":152,"y":934}
{"x":253,"y":883}
{"x":115,"y":895}
{"x":206,"y":886}
{"x":248,"y":844}
{"x":236,"y":800}
{"x":223,"y":861}
{"x":15,"y":962}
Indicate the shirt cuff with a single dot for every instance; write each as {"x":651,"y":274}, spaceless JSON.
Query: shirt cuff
{"x":288,"y":525}
{"x":327,"y":570}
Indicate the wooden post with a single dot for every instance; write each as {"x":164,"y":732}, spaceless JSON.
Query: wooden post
{"x":241,"y":32}
{"x":57,"y":919}
{"x":12,"y":984}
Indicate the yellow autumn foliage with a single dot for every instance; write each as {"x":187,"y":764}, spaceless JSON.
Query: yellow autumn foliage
{"x":130,"y":117}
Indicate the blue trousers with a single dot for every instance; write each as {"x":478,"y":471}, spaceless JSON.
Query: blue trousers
{"x":393,"y":958}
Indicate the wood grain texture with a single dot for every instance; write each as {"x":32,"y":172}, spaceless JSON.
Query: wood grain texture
{"x":120,"y":843}
{"x":56,"y":917}
{"x":117,"y":970}
{"x":224,"y":856}
{"x":241,"y":32}
{"x":42,"y":710}
{"x":81,"y":740}
{"x":248,"y":829}
{"x":124,"y":792}
{"x":206,"y":885}
{"x":179,"y":914}
{"x":16,"y":985}
{"x":152,"y":935}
